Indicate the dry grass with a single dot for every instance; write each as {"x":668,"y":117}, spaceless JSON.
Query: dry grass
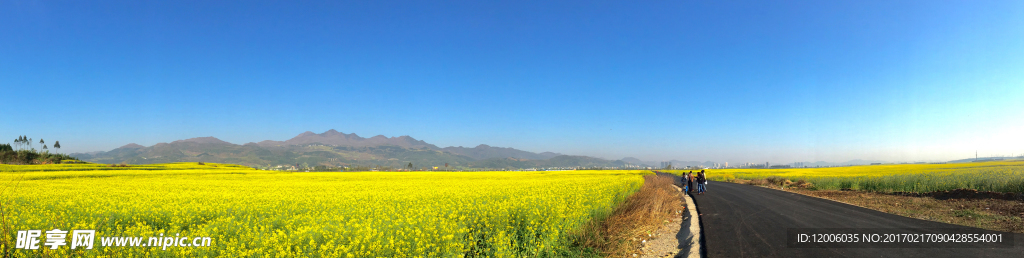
{"x":632,"y":222}
{"x":803,"y":184}
{"x":758,"y":181}
{"x":775,"y":182}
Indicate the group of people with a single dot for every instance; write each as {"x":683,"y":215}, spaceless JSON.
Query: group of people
{"x":701,"y":180}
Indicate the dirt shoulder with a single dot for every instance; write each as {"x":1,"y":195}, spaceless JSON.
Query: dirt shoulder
{"x":636,"y":221}
{"x":665,"y":242}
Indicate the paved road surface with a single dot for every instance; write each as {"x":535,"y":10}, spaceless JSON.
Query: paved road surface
{"x":750,"y":221}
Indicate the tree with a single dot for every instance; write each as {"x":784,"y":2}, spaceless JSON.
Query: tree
{"x":41,"y":142}
{"x":410,"y":166}
{"x":22,"y":142}
{"x":56,"y":145}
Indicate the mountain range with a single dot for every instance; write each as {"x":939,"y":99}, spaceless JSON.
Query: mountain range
{"x":333,"y":148}
{"x":332,"y":137}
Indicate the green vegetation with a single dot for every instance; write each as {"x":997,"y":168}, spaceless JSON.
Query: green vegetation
{"x":23,"y":152}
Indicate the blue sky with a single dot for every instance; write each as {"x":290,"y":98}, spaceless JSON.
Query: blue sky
{"x":744,"y":81}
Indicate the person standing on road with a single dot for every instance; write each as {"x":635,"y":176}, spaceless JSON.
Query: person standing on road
{"x":686,"y":187}
{"x":689,"y":182}
{"x":700,"y":182}
{"x":705,"y":183}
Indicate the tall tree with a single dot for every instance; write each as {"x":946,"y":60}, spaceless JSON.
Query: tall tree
{"x":57,"y":145}
{"x":41,"y":142}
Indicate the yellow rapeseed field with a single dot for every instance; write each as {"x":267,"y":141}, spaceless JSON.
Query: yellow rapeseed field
{"x":997,"y":176}
{"x":253,"y":213}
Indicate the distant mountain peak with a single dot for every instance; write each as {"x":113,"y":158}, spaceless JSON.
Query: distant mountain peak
{"x":131,"y":146}
{"x":208,"y":139}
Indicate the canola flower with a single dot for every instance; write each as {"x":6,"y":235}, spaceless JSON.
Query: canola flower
{"x":996,"y":176}
{"x":252,"y":213}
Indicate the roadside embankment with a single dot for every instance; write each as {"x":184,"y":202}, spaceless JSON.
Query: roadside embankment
{"x":692,"y":243}
{"x":634,"y":222}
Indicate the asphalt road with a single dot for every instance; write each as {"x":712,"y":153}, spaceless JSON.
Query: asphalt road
{"x":749,"y":221}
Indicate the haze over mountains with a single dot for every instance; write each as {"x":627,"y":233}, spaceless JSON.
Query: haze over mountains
{"x":333,"y":148}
